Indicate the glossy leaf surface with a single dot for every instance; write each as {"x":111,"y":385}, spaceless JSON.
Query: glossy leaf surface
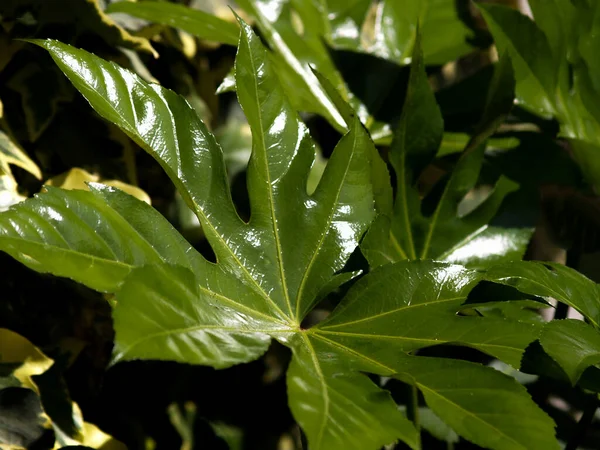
{"x":173,"y":304}
{"x":267,"y":290}
{"x":417,"y":307}
{"x":95,"y":238}
{"x":165,"y":312}
{"x":343,"y":402}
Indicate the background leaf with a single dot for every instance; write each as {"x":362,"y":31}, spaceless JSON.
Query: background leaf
{"x":198,"y":23}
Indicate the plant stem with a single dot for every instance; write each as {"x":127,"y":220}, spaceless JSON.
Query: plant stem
{"x":583,"y":424}
{"x":412,"y":410}
{"x":562,"y":309}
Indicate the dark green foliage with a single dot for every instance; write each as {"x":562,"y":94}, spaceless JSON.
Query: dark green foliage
{"x":339,"y":243}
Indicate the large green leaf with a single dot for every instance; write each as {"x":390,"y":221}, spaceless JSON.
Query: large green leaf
{"x":172,"y":304}
{"x":278,"y":283}
{"x":573,"y":344}
{"x":198,"y":23}
{"x":444,"y":234}
{"x":343,"y":402}
{"x":165,"y":312}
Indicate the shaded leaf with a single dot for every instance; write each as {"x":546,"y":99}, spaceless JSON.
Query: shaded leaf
{"x":573,"y":344}
{"x":86,"y":15}
{"x":11,"y":153}
{"x":463,"y":394}
{"x":444,"y":232}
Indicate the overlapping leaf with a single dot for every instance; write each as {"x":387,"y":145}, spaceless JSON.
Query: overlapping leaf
{"x":573,"y":344}
{"x":411,"y":232}
{"x":552,"y":281}
{"x":193,"y":21}
{"x":268,"y":275}
{"x":10,"y":153}
{"x":29,"y":384}
{"x":95,"y":238}
{"x":555,"y":68}
{"x":172,"y":304}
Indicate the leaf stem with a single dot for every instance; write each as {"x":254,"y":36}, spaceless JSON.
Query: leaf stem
{"x":581,"y":428}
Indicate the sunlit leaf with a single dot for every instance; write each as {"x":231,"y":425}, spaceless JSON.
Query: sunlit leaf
{"x":270,"y":272}
{"x":95,"y":237}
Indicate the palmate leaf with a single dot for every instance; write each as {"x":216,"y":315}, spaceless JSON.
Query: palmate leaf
{"x":411,"y":233}
{"x":172,"y":304}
